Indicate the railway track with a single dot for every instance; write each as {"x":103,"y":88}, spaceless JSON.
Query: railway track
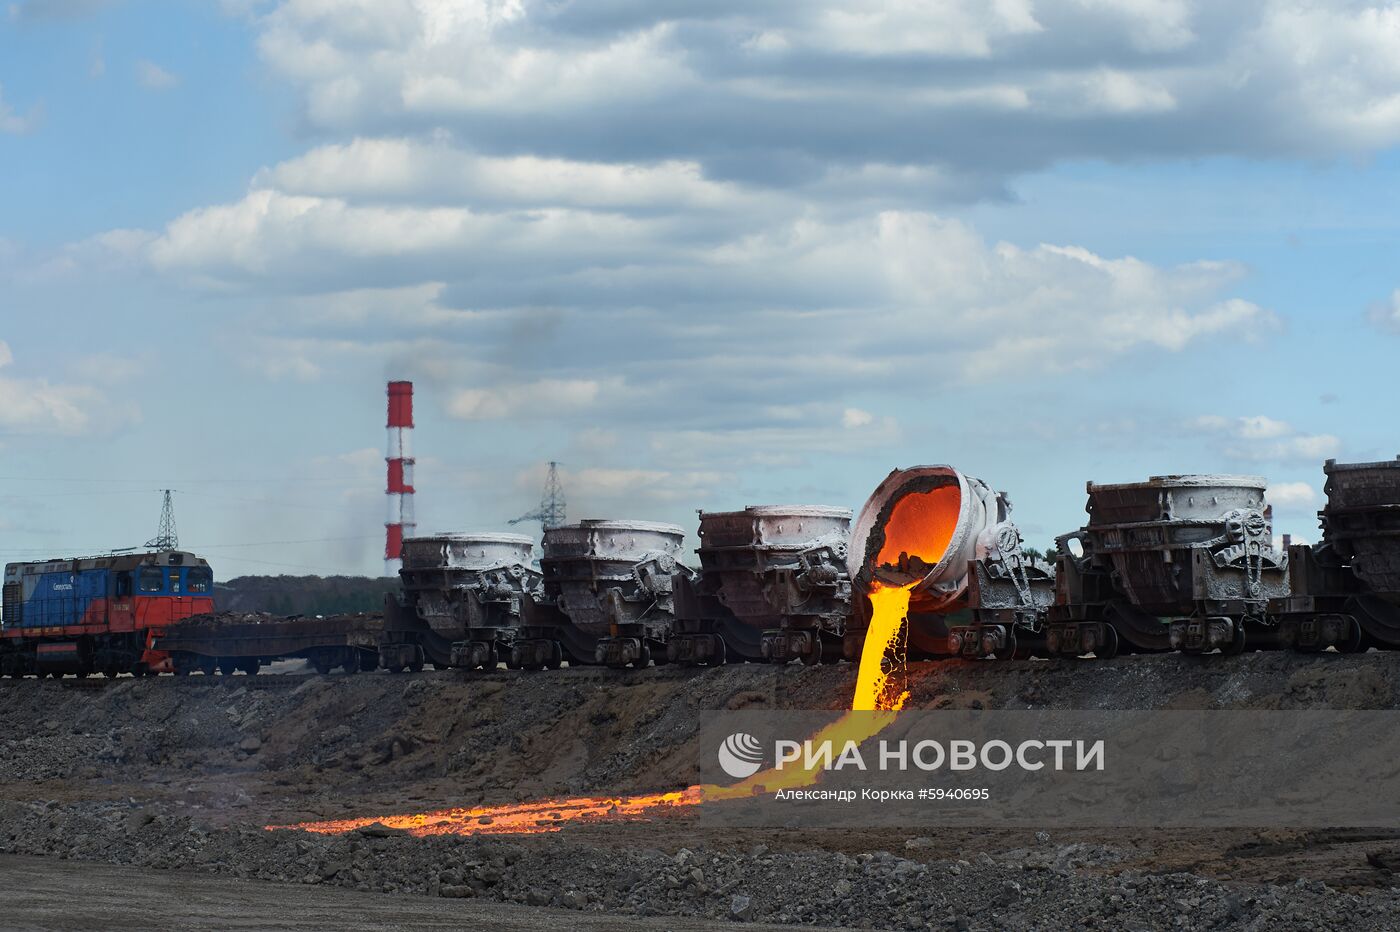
{"x":581,"y":674}
{"x":97,"y":684}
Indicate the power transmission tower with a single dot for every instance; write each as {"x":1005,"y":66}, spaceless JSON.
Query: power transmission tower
{"x":166,"y":538}
{"x":551,"y":511}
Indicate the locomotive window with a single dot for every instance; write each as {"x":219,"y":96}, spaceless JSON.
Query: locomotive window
{"x":199,"y":580}
{"x":175,"y":581}
{"x":152,"y":579}
{"x":123,"y":585}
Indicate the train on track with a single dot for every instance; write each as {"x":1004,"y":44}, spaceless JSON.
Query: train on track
{"x":98,"y":614}
{"x":1186,"y":563}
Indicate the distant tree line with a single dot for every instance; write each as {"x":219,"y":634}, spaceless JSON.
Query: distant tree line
{"x":1049,"y":554}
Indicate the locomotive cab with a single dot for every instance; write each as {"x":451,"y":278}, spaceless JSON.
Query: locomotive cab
{"x":98,"y":614}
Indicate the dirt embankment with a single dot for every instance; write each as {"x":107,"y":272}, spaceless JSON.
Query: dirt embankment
{"x":183,"y":774}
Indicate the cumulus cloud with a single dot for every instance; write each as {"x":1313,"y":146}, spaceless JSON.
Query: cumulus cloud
{"x":154,"y":77}
{"x":959,"y":29}
{"x":853,"y":418}
{"x":275,"y":237}
{"x":436,"y":171}
{"x":775,"y":91}
{"x":1259,"y":438}
{"x":732,"y":230}
{"x":29,"y":405}
{"x":1292,"y":496}
{"x":1006,"y":307}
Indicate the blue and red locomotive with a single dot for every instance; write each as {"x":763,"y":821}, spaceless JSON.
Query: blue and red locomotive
{"x":98,"y":614}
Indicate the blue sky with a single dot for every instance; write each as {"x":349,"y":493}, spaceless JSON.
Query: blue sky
{"x":704,"y":254}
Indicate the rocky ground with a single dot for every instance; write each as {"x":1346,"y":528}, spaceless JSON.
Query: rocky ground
{"x":38,"y":894}
{"x":183,"y":775}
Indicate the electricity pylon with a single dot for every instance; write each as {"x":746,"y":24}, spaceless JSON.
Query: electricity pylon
{"x":551,"y":511}
{"x":166,"y":538}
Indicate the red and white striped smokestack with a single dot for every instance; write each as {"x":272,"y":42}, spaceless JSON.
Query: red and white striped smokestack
{"x":400,"y":523}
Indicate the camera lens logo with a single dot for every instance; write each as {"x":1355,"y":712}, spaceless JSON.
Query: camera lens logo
{"x":741,"y":755}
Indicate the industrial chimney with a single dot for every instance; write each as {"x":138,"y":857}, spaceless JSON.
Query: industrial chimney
{"x":400,"y":523}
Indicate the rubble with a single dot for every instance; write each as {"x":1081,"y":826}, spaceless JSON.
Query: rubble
{"x":872,"y":890}
{"x":159,"y":774}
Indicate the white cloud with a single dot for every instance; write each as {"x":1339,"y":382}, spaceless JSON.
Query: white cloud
{"x":853,"y":418}
{"x":39,"y":406}
{"x":1291,"y":496}
{"x":1008,"y":308}
{"x":273,"y":236}
{"x":766,"y":84}
{"x":1260,"y":427}
{"x":1342,"y":68}
{"x":1112,"y":91}
{"x":401,"y":169}
{"x":1151,"y":25}
{"x":294,"y":359}
{"x":1387,"y":315}
{"x":956,"y":28}
{"x":12,"y":122}
{"x":542,"y":208}
{"x":408,"y":308}
{"x":1004,"y":308}
{"x":545,"y":398}
{"x":1264,"y":439}
{"x":154,"y":77}
{"x":441,"y":56}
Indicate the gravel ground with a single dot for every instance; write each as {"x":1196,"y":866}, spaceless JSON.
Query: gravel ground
{"x":38,"y":895}
{"x":182,"y":775}
{"x":1046,"y":886}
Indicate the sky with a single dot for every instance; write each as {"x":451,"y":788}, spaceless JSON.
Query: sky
{"x":703,"y":254}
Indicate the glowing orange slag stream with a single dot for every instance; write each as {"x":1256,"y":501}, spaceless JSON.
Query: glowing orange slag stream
{"x":551,"y":815}
{"x":889,"y":608}
{"x":921,"y":524}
